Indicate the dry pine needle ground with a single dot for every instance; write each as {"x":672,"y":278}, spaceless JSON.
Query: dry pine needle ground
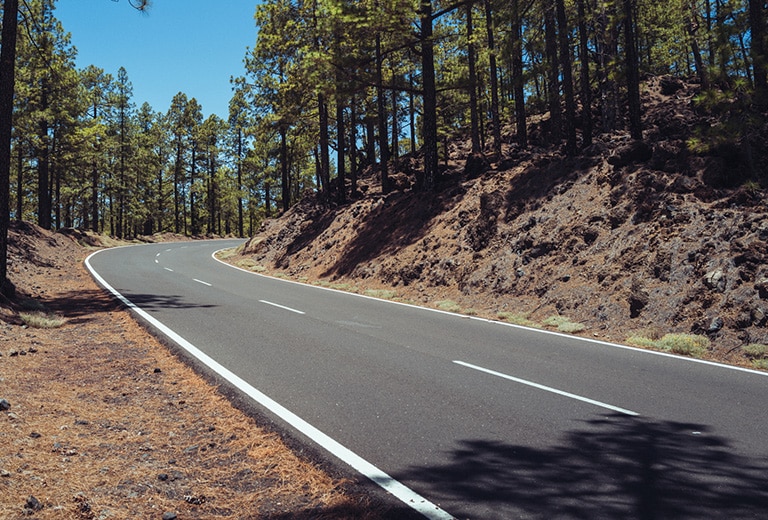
{"x":104,"y":422}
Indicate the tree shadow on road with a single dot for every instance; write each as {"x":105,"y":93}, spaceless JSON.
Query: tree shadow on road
{"x":613,"y":467}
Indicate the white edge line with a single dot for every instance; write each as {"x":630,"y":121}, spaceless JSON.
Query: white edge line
{"x":548,"y":389}
{"x":281,"y":307}
{"x":505,"y":324}
{"x":362,"y":466}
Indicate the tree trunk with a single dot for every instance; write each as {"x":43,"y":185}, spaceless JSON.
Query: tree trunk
{"x":586,"y":88}
{"x":19,"y":184}
{"x":428,"y":179}
{"x":284,"y":174}
{"x":759,"y":61}
{"x":565,"y":64}
{"x":692,"y":27}
{"x":472,"y":87}
{"x":176,"y":186}
{"x":382,"y":120}
{"x":94,"y":197}
{"x":517,"y":76}
{"x":325,"y":160}
{"x":43,"y":173}
{"x":341,"y":151}
{"x":240,"y":224}
{"x":267,"y":200}
{"x":723,"y":45}
{"x":395,"y":148}
{"x":553,"y":78}
{"x":370,"y":139}
{"x":353,"y":145}
{"x":607,"y":43}
{"x":7,"y":75}
{"x":633,"y":72}
{"x":214,"y":212}
{"x":495,"y":117}
{"x":412,"y":116}
{"x":194,"y":219}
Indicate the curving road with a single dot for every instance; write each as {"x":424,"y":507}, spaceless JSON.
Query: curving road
{"x":461,"y":417}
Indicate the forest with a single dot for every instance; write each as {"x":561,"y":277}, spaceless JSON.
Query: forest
{"x":334,"y":87}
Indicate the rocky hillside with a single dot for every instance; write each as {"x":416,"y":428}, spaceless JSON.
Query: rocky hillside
{"x":669,"y":235}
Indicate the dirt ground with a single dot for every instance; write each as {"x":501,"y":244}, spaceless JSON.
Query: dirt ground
{"x":105,"y":422}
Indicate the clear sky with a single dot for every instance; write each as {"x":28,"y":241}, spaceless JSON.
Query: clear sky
{"x":190,"y":46}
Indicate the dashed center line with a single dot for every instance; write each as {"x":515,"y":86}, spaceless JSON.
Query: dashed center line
{"x":548,"y":389}
{"x":202,"y":282}
{"x":168,"y":269}
{"x":281,"y":307}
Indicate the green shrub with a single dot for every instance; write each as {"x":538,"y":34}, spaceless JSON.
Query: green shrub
{"x":752,"y":187}
{"x":518,"y":318}
{"x":251,"y":265}
{"x":755,"y":350}
{"x":761,"y":364}
{"x":641,"y":341}
{"x":686,"y":344}
{"x":448,"y":305}
{"x":564,"y":324}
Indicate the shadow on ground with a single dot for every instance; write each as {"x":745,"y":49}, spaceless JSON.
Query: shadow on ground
{"x":613,"y":467}
{"x":79,"y":306}
{"x":399,"y":221}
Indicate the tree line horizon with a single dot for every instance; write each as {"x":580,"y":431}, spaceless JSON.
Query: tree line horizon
{"x":333,"y":87}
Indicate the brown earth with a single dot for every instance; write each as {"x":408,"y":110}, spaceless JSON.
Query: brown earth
{"x":628,"y":239}
{"x":105,"y":422}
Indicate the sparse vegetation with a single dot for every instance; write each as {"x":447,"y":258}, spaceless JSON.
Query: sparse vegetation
{"x":564,"y":324}
{"x":384,"y":294}
{"x":250,"y":264}
{"x":752,"y":187}
{"x":686,"y":344}
{"x":346,"y":287}
{"x":448,"y":306}
{"x":42,"y":320}
{"x":642,"y":341}
{"x":755,"y":351}
{"x":758,"y":355}
{"x":518,"y":318}
{"x":692,"y":345}
{"x":224,"y":254}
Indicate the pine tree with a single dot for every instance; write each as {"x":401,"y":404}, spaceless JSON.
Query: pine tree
{"x":7,"y":75}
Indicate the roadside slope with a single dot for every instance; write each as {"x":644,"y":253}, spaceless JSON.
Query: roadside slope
{"x":627,"y":239}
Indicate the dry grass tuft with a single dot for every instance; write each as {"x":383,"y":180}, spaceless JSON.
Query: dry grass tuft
{"x":518,"y":318}
{"x":42,"y":320}
{"x":684,"y":344}
{"x":564,"y":324}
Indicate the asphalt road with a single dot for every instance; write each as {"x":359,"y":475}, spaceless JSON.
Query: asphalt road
{"x":476,"y":419}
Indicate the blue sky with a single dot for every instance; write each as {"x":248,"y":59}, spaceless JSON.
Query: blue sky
{"x":190,"y":46}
